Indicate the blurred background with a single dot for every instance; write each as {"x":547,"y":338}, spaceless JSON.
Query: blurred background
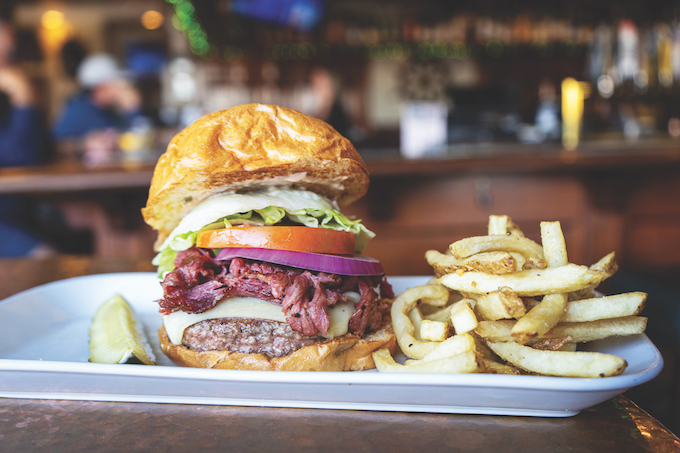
{"x":542,"y":110}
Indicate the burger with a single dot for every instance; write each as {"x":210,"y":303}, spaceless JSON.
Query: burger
{"x":260,"y":270}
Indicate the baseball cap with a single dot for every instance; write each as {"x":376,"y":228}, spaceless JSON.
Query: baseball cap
{"x":99,"y":68}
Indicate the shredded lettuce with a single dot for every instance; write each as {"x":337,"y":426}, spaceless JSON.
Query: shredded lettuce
{"x":262,"y":208}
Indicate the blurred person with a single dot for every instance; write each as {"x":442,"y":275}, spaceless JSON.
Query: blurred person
{"x":72,"y":54}
{"x":19,"y":117}
{"x":20,"y":145}
{"x":326,"y":90}
{"x":108,"y":103}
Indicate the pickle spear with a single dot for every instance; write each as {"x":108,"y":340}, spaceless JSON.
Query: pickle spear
{"x":116,"y":336}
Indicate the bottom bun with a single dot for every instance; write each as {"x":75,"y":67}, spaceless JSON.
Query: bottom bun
{"x":346,"y":353}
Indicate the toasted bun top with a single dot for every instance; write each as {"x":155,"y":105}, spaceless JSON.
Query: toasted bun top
{"x":248,"y":147}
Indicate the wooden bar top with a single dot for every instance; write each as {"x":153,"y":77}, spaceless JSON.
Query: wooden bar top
{"x":617,"y":425}
{"x":55,"y":425}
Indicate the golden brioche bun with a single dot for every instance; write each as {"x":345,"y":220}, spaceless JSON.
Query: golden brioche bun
{"x":246,"y":147}
{"x":346,"y":353}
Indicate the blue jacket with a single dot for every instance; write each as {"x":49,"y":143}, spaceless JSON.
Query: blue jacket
{"x":20,"y":138}
{"x":81,"y":116}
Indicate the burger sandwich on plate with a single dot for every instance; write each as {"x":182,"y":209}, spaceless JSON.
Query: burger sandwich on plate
{"x":260,"y":269}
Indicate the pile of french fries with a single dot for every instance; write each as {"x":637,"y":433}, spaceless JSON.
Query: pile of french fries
{"x":505,"y":304}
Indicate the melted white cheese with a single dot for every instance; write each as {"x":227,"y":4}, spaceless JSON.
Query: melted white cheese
{"x":253,"y":308}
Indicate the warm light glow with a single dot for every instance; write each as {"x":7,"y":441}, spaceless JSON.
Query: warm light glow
{"x":572,"y":112}
{"x":152,"y":20}
{"x":55,"y":31}
{"x":52,"y":19}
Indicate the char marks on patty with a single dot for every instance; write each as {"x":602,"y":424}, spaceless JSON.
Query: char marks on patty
{"x":248,"y":336}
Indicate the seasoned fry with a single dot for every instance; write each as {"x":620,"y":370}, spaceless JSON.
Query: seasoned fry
{"x":478,"y":244}
{"x":533,"y":262}
{"x":533,"y":282}
{"x":552,"y":344}
{"x":618,"y":305}
{"x":501,"y":304}
{"x":560,"y":363}
{"x":465,"y":362}
{"x":491,"y":262}
{"x":463,"y":318}
{"x":403,"y":327}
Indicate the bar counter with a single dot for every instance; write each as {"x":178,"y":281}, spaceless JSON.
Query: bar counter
{"x":51,"y":425}
{"x":72,"y":176}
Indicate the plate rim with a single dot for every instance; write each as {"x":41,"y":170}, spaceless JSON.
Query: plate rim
{"x":495,"y":382}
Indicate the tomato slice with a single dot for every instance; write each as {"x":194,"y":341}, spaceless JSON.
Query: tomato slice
{"x":294,"y":238}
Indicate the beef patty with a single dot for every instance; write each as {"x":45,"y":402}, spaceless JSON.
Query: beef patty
{"x":248,"y":336}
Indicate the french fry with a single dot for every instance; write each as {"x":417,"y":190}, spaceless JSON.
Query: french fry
{"x":615,"y":306}
{"x":560,"y":363}
{"x":451,"y":346}
{"x":441,"y":315}
{"x":600,"y":329}
{"x":515,"y":306}
{"x":403,"y":327}
{"x":493,"y":367}
{"x":465,"y":362}
{"x":607,"y":266}
{"x":492,"y":363}
{"x":496,"y":330}
{"x":530,"y":302}
{"x":540,"y":319}
{"x":478,"y":244}
{"x":545,"y":315}
{"x":434,"y":330}
{"x":579,"y":331}
{"x":502,"y":224}
{"x":463,"y":319}
{"x":571,"y":347}
{"x":554,"y":247}
{"x":533,"y":282}
{"x":501,"y":304}
{"x":416,"y":317}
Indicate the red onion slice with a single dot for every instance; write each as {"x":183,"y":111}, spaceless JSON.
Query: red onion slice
{"x":332,"y":264}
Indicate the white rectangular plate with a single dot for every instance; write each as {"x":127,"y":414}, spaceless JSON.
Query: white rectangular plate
{"x":44,"y":352}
